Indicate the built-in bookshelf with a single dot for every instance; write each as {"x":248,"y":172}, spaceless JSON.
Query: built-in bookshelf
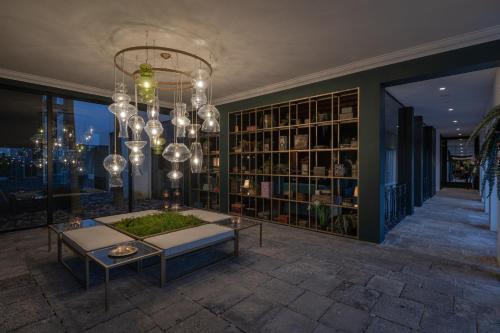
{"x":296,"y":163}
{"x":204,"y":187}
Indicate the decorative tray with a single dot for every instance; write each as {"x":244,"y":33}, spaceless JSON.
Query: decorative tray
{"x":122,"y":251}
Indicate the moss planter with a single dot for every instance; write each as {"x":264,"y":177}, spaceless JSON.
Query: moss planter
{"x":150,"y":225}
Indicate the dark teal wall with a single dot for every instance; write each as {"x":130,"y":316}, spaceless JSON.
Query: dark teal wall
{"x":371,"y":135}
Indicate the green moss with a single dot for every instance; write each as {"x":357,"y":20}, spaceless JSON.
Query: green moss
{"x":157,"y":223}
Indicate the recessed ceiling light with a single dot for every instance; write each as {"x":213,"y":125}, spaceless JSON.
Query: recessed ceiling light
{"x":459,"y":134}
{"x":442,"y":88}
{"x":450,"y":109}
{"x":455,"y":121}
{"x":458,"y":128}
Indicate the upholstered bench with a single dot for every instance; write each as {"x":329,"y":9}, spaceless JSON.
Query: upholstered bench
{"x":207,"y":216}
{"x":189,"y":240}
{"x":82,"y":241}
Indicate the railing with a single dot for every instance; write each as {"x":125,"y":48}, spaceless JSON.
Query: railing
{"x":395,"y":207}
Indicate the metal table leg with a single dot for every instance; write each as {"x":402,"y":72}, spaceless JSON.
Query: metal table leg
{"x":49,"y":239}
{"x":163,"y":273}
{"x":260,"y":240}
{"x":87,"y":273}
{"x":59,"y":248}
{"x":236,"y":243}
{"x":106,"y":290}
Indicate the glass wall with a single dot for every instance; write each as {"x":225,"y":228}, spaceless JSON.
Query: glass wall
{"x":23,"y":160}
{"x":52,"y":149}
{"x":83,"y":135}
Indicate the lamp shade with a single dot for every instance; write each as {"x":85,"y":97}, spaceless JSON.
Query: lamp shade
{"x":196,"y":161}
{"x":154,"y":130}
{"x":192,"y":130}
{"x":199,"y":79}
{"x":136,"y":125}
{"x":114,"y":165}
{"x":176,"y":152}
{"x":210,"y":125}
{"x":208,"y":111}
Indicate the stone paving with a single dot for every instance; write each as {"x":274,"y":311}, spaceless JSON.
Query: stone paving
{"x":451,"y":225}
{"x":300,"y":281}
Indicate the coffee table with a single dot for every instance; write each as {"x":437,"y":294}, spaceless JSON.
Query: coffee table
{"x":59,"y":228}
{"x":238,"y":223}
{"x":101,"y":258}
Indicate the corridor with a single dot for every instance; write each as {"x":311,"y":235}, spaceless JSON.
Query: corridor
{"x":450,"y":225}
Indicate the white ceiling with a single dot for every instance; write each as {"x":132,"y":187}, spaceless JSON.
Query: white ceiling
{"x":469,"y":95}
{"x":258,"y":45}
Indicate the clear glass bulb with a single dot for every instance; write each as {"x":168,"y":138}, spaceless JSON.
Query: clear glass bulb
{"x":114,"y":165}
{"x":178,"y":115}
{"x":154,"y":130}
{"x":199,"y":98}
{"x":136,"y":125}
{"x":153,"y":109}
{"x":196,"y":162}
{"x":210,"y":125}
{"x":192,"y":130}
{"x":199,"y":79}
{"x":122,"y":112}
{"x":135,"y":146}
{"x":175,"y":174}
{"x":176,"y":152}
{"x":208,"y":111}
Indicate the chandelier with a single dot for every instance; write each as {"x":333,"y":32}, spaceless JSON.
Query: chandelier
{"x":176,"y":75}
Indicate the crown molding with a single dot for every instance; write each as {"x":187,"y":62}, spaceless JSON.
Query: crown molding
{"x":66,"y":85}
{"x":55,"y":83}
{"x":422,"y":50}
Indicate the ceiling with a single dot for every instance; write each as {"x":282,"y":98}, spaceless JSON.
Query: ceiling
{"x":258,"y":46}
{"x":469,"y":96}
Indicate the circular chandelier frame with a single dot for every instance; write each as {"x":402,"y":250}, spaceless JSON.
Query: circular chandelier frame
{"x":162,"y":85}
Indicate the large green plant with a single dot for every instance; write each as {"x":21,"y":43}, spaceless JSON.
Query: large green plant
{"x":489,"y":149}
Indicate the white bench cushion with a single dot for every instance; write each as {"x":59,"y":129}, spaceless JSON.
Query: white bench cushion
{"x":119,"y":217}
{"x":186,"y":240}
{"x":206,"y":216}
{"x":94,"y":238}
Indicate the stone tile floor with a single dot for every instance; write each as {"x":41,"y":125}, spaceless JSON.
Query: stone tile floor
{"x":451,"y":225}
{"x":298,"y":282}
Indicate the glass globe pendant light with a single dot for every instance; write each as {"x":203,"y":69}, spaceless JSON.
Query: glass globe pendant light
{"x":153,"y":109}
{"x":114,"y":165}
{"x":136,"y":125}
{"x":181,"y":132}
{"x":176,"y":152}
{"x":154,"y":130}
{"x":146,"y":83}
{"x":121,"y":108}
{"x":192,"y":130}
{"x":175,"y":174}
{"x":136,"y":159}
{"x":199,"y":79}
{"x":210,"y":125}
{"x":135,"y":146}
{"x":179,"y":118}
{"x":208,"y":111}
{"x":198,"y":99}
{"x":196,"y":161}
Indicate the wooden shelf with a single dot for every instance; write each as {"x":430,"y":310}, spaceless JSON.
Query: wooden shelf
{"x":318,"y":118}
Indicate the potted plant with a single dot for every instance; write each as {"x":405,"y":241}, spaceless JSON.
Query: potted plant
{"x":489,"y":152}
{"x":322,"y":212}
